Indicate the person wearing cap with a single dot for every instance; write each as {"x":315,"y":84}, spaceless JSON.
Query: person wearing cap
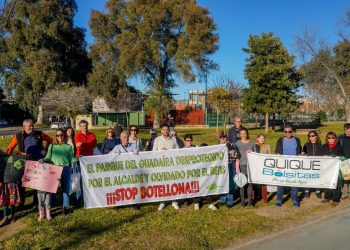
{"x":150,"y":141}
{"x":232,"y":156}
{"x":179,"y":142}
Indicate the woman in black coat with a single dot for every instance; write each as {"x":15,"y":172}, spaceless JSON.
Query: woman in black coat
{"x":332,"y":148}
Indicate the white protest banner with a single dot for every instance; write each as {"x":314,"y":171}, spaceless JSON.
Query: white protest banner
{"x":345,"y":169}
{"x":115,"y":180}
{"x":293,"y":171}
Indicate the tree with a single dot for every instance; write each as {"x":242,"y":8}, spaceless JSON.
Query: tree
{"x":158,"y":102}
{"x":40,"y":48}
{"x":127,"y":99}
{"x":68,"y":102}
{"x":272,"y":76}
{"x":222,"y":101}
{"x":333,"y":62}
{"x":156,"y":40}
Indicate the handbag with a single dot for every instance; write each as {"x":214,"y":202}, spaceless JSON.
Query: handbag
{"x":240,"y":179}
{"x":14,"y":168}
{"x":75,"y":178}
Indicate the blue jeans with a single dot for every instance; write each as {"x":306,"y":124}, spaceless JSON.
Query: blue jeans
{"x":65,"y":185}
{"x":294,"y":194}
{"x":229,"y":198}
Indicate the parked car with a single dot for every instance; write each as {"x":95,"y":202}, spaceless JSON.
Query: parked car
{"x":3,"y":123}
{"x":57,"y":125}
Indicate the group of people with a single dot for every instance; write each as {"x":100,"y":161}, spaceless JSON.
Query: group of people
{"x":66,"y":147}
{"x":239,"y":145}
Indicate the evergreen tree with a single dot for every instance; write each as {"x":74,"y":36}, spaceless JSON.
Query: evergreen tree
{"x":152,"y":39}
{"x":272,"y":76}
{"x":40,"y":48}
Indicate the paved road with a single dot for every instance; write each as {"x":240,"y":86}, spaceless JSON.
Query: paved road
{"x":332,"y":233}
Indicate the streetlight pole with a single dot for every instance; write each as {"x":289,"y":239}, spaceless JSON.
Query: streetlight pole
{"x":206,"y":98}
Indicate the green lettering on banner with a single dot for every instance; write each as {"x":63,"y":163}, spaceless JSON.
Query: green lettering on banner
{"x":90,"y":168}
{"x":95,"y":183}
{"x":217,"y":170}
{"x":109,"y":166}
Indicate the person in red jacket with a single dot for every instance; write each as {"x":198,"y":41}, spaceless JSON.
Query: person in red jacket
{"x":84,"y":140}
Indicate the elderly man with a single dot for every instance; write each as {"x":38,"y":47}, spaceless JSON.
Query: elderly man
{"x":179,"y":142}
{"x":124,"y":146}
{"x":233,"y":132}
{"x":164,"y":142}
{"x":29,"y":142}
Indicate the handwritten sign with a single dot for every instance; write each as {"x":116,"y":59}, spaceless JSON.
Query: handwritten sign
{"x":44,"y":177}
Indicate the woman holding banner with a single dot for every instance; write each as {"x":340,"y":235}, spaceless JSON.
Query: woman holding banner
{"x":245,"y":146}
{"x":332,"y":148}
{"x":263,"y":148}
{"x":312,"y":147}
{"x":59,"y":153}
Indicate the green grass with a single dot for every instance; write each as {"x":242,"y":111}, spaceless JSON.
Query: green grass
{"x":126,"y":228}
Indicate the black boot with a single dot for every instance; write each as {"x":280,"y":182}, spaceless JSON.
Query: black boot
{"x":64,"y":211}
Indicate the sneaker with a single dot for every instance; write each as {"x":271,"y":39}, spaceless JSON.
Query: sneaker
{"x":212,"y":207}
{"x":175,"y":205}
{"x":13,"y":219}
{"x":4,"y":221}
{"x":296,"y":204}
{"x":196,"y":206}
{"x":64,"y":211}
{"x":161,"y":206}
{"x":278,"y":203}
{"x":335,"y":203}
{"x":325,"y":201}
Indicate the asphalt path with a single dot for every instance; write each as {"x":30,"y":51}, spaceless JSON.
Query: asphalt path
{"x":331,"y":233}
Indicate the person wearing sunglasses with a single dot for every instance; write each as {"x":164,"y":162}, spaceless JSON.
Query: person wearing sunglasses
{"x":332,"y":148}
{"x":59,"y":153}
{"x":312,"y":147}
{"x":133,"y":138}
{"x":109,"y":142}
{"x":344,"y":141}
{"x":288,"y":145}
{"x":232,"y":157}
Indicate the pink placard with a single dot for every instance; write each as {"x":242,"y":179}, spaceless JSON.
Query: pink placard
{"x":44,"y":177}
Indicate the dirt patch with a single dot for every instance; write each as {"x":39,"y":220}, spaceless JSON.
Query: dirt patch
{"x":11,"y":229}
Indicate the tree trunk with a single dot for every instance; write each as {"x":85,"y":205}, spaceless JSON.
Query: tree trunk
{"x":273,"y":121}
{"x":72,"y":121}
{"x":127,"y":119}
{"x":225,"y":123}
{"x":267,"y":123}
{"x":156,"y":123}
{"x":256,"y":120}
{"x":347,"y":110}
{"x":40,"y":118}
{"x":217,"y":119}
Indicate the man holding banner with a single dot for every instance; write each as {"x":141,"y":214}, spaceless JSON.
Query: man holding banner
{"x":288,"y":145}
{"x":164,"y":142}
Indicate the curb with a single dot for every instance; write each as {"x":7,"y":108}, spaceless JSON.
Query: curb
{"x":253,"y":242}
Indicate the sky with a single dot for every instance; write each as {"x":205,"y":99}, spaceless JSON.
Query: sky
{"x":237,"y":19}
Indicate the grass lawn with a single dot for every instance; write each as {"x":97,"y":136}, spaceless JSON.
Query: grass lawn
{"x":126,"y":228}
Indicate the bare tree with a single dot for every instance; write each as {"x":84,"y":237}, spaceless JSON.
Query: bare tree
{"x":68,"y":102}
{"x":126,"y":100}
{"x":316,"y":50}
